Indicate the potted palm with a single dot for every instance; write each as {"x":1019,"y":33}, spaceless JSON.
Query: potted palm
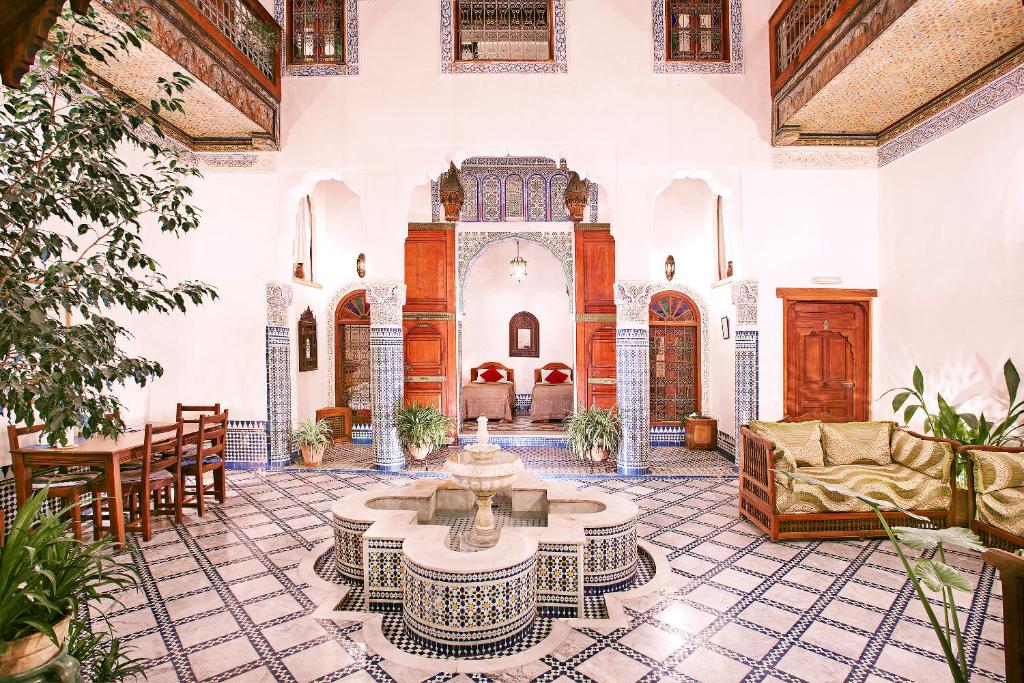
{"x":46,"y":576}
{"x":422,"y":429}
{"x":312,"y":438}
{"x":594,"y":433}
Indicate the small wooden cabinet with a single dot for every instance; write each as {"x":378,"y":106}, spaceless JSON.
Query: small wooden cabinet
{"x":701,"y":433}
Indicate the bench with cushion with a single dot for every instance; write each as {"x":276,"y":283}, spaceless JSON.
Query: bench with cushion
{"x":876,"y":459}
{"x":995,"y":495}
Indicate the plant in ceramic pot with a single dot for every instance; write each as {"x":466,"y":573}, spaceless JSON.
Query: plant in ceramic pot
{"x":594,"y":433}
{"x":312,"y":437}
{"x":46,"y":577}
{"x":422,"y":429}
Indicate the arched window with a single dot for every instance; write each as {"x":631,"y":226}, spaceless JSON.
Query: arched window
{"x":316,"y":31}
{"x":697,"y":30}
{"x":352,"y":355}
{"x":675,"y":357}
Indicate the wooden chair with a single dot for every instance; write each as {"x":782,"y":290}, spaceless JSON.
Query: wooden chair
{"x":151,"y":483}
{"x":209,"y":457}
{"x":991,"y":535}
{"x":66,"y":486}
{"x":179,"y":413}
{"x":340,"y":420}
{"x":1011,"y":573}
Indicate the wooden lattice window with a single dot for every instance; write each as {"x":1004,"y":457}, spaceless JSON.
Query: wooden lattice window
{"x":316,"y":31}
{"x":697,"y":30}
{"x":352,"y":354}
{"x":675,"y":358}
{"x":504,"y":30}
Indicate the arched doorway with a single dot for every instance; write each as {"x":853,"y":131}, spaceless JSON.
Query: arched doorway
{"x":675,"y":357}
{"x":352,"y":355}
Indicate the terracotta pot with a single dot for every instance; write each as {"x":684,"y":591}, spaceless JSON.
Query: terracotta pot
{"x":312,"y":456}
{"x":419,"y":452}
{"x":597,"y":454}
{"x":32,"y":651}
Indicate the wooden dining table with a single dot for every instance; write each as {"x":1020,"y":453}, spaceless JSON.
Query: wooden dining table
{"x":100,"y":452}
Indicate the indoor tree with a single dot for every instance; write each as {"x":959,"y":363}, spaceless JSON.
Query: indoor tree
{"x":72,"y":211}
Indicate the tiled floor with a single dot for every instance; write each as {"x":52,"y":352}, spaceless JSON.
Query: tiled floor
{"x":520,"y":424}
{"x":223,"y":599}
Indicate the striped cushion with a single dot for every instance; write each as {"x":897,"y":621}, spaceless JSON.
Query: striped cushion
{"x":136,"y":476}
{"x":800,"y":440}
{"x":994,"y":471}
{"x":208,"y":460}
{"x":893,"y":483}
{"x":934,"y":458}
{"x":1003,"y":509}
{"x":67,"y":479}
{"x":851,"y":443}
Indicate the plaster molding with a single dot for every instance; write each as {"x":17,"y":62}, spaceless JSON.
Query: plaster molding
{"x":279,"y":298}
{"x":824,"y":157}
{"x":632,"y":301}
{"x":385,"y":298}
{"x":661,"y":65}
{"x":744,"y":298}
{"x":236,"y":162}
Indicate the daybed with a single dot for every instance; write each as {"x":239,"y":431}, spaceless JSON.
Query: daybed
{"x":552,"y":400}
{"x":491,"y":394}
{"x":878,"y":459}
{"x":995,"y":495}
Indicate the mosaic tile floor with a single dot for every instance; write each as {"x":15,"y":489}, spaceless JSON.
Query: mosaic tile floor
{"x":520,"y":424}
{"x":222,"y":599}
{"x":665,"y":461}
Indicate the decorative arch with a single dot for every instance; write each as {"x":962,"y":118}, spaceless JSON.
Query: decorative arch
{"x":339,"y":302}
{"x":695,"y":315}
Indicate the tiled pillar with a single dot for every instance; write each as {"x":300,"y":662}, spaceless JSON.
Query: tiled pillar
{"x":386,"y":371}
{"x":633,"y":375}
{"x":279,"y":376}
{"x":744,"y":297}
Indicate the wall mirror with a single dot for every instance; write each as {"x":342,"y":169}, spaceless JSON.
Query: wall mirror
{"x":524,"y":335}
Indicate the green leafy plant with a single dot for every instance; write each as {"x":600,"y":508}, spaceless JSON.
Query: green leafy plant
{"x":313,"y":433}
{"x":47,"y":575}
{"x":103,"y":658}
{"x":422,"y":425}
{"x":968,"y":429}
{"x":931,"y":573}
{"x":71,"y":229}
{"x":592,"y":427}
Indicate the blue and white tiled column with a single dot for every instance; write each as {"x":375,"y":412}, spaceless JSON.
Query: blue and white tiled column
{"x":744,"y":297}
{"x":279,"y":376}
{"x":386,"y":371}
{"x":633,"y":375}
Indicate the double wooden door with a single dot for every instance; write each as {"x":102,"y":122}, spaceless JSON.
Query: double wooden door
{"x":827,"y":354}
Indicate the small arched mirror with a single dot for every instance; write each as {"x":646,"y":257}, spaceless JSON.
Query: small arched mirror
{"x":524,"y":335}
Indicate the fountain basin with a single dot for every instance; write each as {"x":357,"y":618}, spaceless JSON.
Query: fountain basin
{"x":490,"y":475}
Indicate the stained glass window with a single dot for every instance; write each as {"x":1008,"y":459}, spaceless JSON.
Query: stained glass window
{"x":697,"y":30}
{"x":316,"y":30}
{"x":503,"y":30}
{"x":675,"y":358}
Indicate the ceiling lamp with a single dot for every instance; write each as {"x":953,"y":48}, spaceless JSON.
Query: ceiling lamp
{"x":518,"y":266}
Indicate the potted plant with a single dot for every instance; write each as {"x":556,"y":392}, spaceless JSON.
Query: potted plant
{"x":422,"y":429}
{"x":594,"y":433}
{"x":46,"y":576}
{"x":312,"y":438}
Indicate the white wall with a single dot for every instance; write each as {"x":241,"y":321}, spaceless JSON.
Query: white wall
{"x":951,"y":238}
{"x":493,"y":297}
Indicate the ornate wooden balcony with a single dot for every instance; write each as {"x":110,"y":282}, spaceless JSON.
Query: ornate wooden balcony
{"x":861,"y":72}
{"x":232,"y":48}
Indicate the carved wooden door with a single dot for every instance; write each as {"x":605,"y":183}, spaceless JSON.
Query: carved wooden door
{"x":827,"y":359}
{"x":426,"y":355}
{"x":595,"y":315}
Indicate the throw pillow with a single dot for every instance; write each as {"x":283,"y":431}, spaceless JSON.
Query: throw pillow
{"x":856,"y":443}
{"x":554,"y":377}
{"x":934,"y":458}
{"x":492,"y":375}
{"x":800,"y":440}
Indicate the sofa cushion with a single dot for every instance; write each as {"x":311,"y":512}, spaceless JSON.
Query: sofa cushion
{"x":893,"y":483}
{"x":994,"y":471}
{"x":934,"y":458}
{"x":1003,"y":509}
{"x":851,"y":443}
{"x":800,"y":440}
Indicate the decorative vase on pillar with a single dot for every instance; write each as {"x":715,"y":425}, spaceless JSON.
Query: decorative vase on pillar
{"x":576,"y":194}
{"x":451,"y":193}
{"x":701,"y":433}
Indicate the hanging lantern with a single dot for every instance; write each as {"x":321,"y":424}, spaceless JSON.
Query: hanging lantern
{"x":361,"y":265}
{"x":670,"y":267}
{"x":518,"y":266}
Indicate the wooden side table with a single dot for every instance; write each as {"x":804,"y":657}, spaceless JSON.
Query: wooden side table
{"x":702,"y":433}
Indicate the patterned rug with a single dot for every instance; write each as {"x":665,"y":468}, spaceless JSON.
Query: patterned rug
{"x":222,"y":599}
{"x":665,"y":461}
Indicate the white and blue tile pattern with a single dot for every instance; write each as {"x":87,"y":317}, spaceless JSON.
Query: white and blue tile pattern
{"x":633,"y":395}
{"x":449,"y":65}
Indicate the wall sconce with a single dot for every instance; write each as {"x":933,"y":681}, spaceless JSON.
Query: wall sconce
{"x":361,"y":266}
{"x":670,"y":268}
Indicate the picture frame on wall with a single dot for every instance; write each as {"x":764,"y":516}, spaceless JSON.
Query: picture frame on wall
{"x":725,"y":327}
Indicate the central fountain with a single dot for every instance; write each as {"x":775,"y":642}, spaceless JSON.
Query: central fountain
{"x":484,"y":469}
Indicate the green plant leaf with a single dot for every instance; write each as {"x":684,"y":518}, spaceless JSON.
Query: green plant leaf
{"x":918,"y":380}
{"x":909,"y":413}
{"x":850,"y":493}
{"x":937,"y":575}
{"x":899,"y":399}
{"x":1012,"y":378}
{"x":926,"y":539}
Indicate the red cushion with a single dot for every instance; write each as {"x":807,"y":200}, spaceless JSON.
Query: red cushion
{"x":491,"y":375}
{"x":556,"y":377}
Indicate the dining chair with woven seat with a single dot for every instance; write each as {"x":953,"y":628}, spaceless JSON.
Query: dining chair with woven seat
{"x":154,"y":488}
{"x":66,"y":486}
{"x":187,"y":414}
{"x":209,"y":456}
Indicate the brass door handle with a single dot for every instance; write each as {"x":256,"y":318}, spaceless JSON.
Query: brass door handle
{"x":849,"y":385}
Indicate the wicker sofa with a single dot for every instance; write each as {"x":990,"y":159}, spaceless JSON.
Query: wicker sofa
{"x":878,"y":459}
{"x":995,"y":495}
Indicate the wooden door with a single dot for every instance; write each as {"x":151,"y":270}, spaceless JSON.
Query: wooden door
{"x":827,"y":353}
{"x":595,"y":315}
{"x":429,"y":316}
